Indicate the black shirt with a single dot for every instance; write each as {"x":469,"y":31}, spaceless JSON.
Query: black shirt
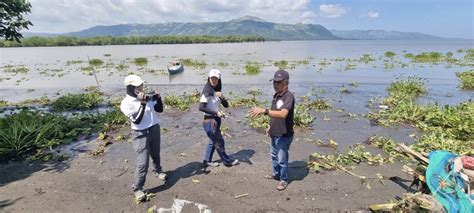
{"x":282,"y":126}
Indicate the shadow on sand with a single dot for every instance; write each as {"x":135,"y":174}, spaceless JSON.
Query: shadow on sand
{"x":197,"y":168}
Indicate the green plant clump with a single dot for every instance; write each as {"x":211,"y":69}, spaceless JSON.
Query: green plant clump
{"x":77,"y":102}
{"x":96,"y":62}
{"x":142,"y":61}
{"x":182,"y":102}
{"x":252,"y":68}
{"x":447,"y":127}
{"x":467,"y":79}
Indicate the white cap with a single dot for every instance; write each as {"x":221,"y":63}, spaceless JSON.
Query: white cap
{"x":133,"y":80}
{"x":215,"y":73}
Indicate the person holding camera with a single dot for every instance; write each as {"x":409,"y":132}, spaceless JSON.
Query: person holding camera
{"x":210,"y":101}
{"x":141,"y":109}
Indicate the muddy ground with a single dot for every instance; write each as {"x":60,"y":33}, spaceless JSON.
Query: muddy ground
{"x":86,"y":183}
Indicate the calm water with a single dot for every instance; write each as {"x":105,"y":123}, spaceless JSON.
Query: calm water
{"x":372,"y":78}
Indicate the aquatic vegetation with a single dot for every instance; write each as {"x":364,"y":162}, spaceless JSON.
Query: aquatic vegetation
{"x":87,"y":70}
{"x":248,"y":101}
{"x":43,"y":100}
{"x":3,"y":103}
{"x":366,"y":58}
{"x":447,"y":127}
{"x":141,"y":61}
{"x":318,"y":104}
{"x":389,"y":54}
{"x":252,"y":68}
{"x":302,"y":116}
{"x":76,"y":102}
{"x":259,"y":122}
{"x":405,"y":90}
{"x":32,"y":135}
{"x":431,"y":57}
{"x":193,"y":63}
{"x":73,"y":62}
{"x":95,"y":62}
{"x":281,"y":64}
{"x":349,"y":67}
{"x":353,"y":83}
{"x":469,"y":55}
{"x":16,"y":70}
{"x":356,"y":154}
{"x":304,"y":62}
{"x":182,"y":102}
{"x":222,"y":64}
{"x":121,"y":67}
{"x":344,"y":89}
{"x":386,"y":144}
{"x":467,"y":79}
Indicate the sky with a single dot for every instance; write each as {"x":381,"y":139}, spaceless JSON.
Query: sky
{"x":445,"y":18}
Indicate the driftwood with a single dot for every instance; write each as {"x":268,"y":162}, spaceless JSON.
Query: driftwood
{"x":413,"y":153}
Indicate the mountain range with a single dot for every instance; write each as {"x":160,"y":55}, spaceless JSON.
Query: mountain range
{"x":247,"y":25}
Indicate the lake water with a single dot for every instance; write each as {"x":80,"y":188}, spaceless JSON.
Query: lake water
{"x":50,"y":73}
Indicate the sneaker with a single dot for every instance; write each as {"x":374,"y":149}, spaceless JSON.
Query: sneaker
{"x":211,"y":164}
{"x":282,"y":185}
{"x":233,"y":163}
{"x":139,"y":195}
{"x":161,"y":175}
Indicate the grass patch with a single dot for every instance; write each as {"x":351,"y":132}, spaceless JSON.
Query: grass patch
{"x":141,"y":61}
{"x":193,"y":63}
{"x":252,"y":68}
{"x":76,"y":102}
{"x":467,"y":79}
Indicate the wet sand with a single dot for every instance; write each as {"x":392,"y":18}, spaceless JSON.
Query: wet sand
{"x":85,"y":183}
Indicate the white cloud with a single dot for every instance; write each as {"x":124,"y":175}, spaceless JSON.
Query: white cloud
{"x":57,"y":16}
{"x":332,"y":10}
{"x":371,"y":15}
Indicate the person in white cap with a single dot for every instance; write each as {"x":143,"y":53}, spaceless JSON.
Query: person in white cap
{"x":211,"y":99}
{"x":141,"y":109}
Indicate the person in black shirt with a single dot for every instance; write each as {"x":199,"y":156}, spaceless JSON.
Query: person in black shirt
{"x":281,"y":126}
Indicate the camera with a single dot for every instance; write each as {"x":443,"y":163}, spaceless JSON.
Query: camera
{"x":151,"y":96}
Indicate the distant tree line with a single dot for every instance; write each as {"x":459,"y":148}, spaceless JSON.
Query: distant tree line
{"x":36,"y":41}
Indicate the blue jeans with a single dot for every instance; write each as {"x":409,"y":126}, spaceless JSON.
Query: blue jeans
{"x":279,"y":153}
{"x":216,"y":141}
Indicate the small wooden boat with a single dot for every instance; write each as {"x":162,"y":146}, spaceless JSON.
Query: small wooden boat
{"x":175,"y":67}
